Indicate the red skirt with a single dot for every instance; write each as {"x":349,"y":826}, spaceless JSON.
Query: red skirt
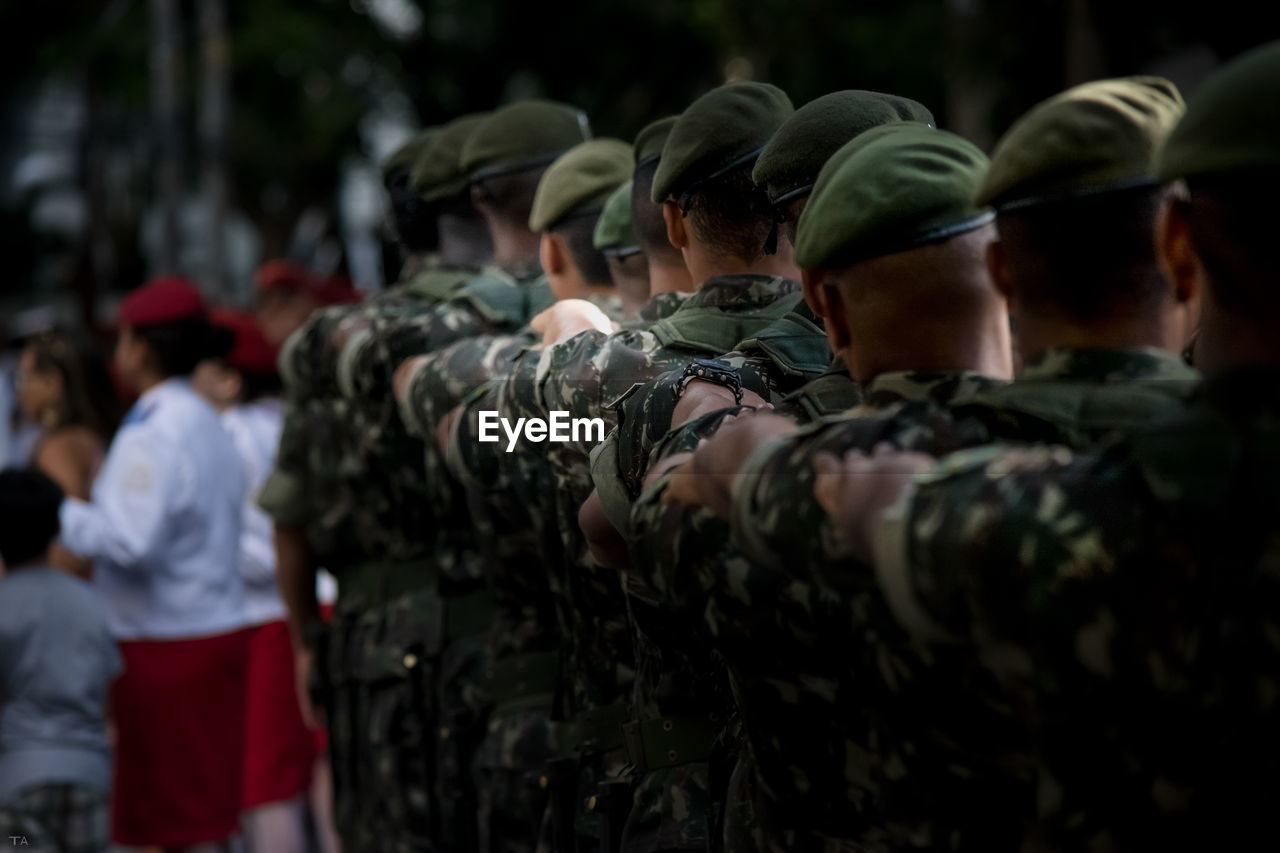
{"x":279,"y":749}
{"x":178,"y":709}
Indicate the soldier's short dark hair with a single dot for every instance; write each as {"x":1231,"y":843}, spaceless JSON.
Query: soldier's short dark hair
{"x":29,"y":503}
{"x":509,"y":197}
{"x":730,"y":214}
{"x":646,"y":217}
{"x":1086,"y":258}
{"x":578,"y":233}
{"x":1233,"y":231}
{"x":415,"y":219}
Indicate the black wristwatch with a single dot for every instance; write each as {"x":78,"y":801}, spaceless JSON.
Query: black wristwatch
{"x":710,"y":370}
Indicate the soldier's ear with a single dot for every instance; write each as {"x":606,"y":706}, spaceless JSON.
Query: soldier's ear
{"x":551,"y":254}
{"x":998,"y":269}
{"x":829,"y":297}
{"x":1176,"y":253}
{"x":812,"y":294}
{"x":677,"y":233}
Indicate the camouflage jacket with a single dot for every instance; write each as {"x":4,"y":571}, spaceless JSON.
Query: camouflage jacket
{"x":584,"y":376}
{"x":398,"y":493}
{"x":775,"y":361}
{"x":1125,"y":600}
{"x":972,"y":765}
{"x":786,"y":682}
{"x":305,"y":488}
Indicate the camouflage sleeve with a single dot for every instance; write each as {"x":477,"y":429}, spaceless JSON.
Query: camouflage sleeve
{"x":775,"y":518}
{"x":682,"y":553}
{"x":983,"y":542}
{"x":285,"y":494}
{"x":445,"y":378}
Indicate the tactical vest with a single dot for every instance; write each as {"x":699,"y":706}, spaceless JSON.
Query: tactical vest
{"x":438,"y":285}
{"x":504,"y":300}
{"x":796,"y":345}
{"x":827,"y":396}
{"x":715,"y":331}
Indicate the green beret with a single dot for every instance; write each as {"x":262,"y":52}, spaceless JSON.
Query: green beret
{"x":893,"y":188}
{"x":407,"y":154}
{"x":1095,"y":137}
{"x":521,"y":136}
{"x":614,"y":233}
{"x":651,"y":138}
{"x":1232,"y":125}
{"x":726,"y":127}
{"x":580,"y":181}
{"x":437,"y":173}
{"x":790,"y":163}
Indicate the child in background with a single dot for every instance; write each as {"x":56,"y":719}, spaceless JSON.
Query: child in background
{"x":57,"y":661}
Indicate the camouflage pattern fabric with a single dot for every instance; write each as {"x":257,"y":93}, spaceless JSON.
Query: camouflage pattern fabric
{"x":1125,"y":600}
{"x":583,"y":376}
{"x":786,"y":683}
{"x":885,"y":694}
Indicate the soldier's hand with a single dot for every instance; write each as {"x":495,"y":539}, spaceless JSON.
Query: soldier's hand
{"x":718,"y":460}
{"x":701,"y":397}
{"x":403,"y":379}
{"x":303,"y":661}
{"x":856,"y":490}
{"x":570,"y":317}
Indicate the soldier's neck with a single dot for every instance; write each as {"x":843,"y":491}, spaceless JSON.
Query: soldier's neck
{"x":513,"y":246}
{"x":1037,"y":333}
{"x":704,"y":263}
{"x":669,"y":278}
{"x":464,"y":240}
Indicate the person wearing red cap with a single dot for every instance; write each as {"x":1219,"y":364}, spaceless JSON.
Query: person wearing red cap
{"x":288,"y":292}
{"x":163,"y":528}
{"x":281,"y":751}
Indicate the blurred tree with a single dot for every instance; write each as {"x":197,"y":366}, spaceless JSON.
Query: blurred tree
{"x":306,"y":77}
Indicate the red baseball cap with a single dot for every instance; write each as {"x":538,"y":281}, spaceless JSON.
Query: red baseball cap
{"x":169,"y":299}
{"x":284,"y":274}
{"x":251,"y":352}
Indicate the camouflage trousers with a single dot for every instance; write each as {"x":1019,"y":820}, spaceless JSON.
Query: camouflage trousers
{"x":377,"y":683}
{"x":463,"y":710}
{"x":507,"y":772}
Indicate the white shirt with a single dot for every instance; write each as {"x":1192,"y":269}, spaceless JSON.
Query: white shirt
{"x":255,"y":431}
{"x":163,"y":526}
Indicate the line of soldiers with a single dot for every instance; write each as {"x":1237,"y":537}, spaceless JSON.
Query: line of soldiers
{"x":759,"y":616}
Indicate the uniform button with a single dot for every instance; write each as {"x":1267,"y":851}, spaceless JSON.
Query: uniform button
{"x":444,"y":733}
{"x":667,"y":725}
{"x":672,"y":755}
{"x":591,"y":803}
{"x":410,"y":660}
{"x":543,"y":781}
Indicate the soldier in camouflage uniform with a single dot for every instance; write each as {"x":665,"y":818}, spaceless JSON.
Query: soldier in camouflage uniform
{"x":582,"y":375}
{"x":774,"y":362}
{"x":1081,"y":405}
{"x":783,"y":680}
{"x":567,"y":201}
{"x":492,"y":301}
{"x":1125,"y":598}
{"x":506,"y":511}
{"x":380,"y":772}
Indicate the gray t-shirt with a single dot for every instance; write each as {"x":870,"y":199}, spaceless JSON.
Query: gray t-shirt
{"x":57,"y":659}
